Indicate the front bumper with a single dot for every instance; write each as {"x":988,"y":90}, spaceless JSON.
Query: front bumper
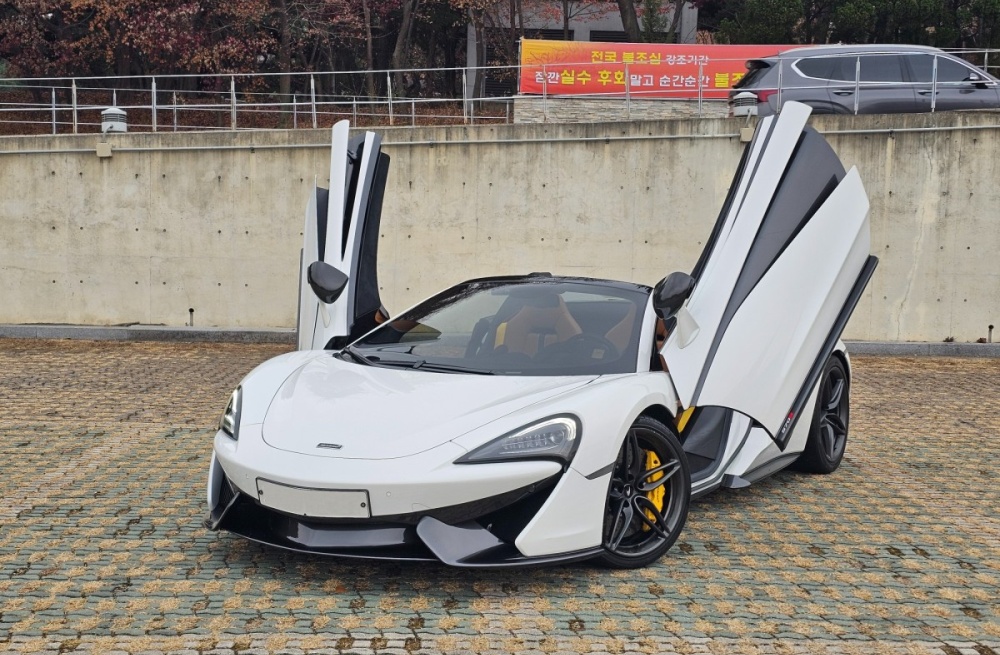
{"x":474,"y":534}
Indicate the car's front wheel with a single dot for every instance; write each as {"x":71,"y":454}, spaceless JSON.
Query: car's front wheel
{"x":828,"y":432}
{"x":648,"y":496}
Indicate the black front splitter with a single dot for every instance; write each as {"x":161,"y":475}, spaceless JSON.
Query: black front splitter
{"x":466,"y":545}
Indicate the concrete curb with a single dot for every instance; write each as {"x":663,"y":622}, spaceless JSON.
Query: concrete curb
{"x":917,"y":348}
{"x":148,"y":333}
{"x":287,"y":335}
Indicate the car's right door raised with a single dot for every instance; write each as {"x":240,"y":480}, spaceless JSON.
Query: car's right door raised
{"x":785,"y":266}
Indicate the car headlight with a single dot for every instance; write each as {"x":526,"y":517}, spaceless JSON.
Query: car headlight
{"x":553,"y":438}
{"x":230,"y":421}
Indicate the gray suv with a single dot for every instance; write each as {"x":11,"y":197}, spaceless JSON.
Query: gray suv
{"x":863,"y":79}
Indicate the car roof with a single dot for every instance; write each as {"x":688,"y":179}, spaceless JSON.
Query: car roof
{"x":548,"y":277}
{"x":864,"y":48}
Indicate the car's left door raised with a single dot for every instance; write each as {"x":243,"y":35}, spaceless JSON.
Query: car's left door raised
{"x":342,"y":230}
{"x":781,"y":274}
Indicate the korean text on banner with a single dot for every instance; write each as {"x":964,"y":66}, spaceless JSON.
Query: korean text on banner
{"x":645,"y":69}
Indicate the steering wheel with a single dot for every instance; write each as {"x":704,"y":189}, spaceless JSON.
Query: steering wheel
{"x":585,"y":346}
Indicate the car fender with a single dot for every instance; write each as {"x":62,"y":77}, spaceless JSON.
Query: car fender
{"x":573,"y":516}
{"x":260,"y":384}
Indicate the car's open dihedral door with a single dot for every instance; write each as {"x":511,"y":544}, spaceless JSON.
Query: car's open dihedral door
{"x":342,"y":229}
{"x":784,"y":268}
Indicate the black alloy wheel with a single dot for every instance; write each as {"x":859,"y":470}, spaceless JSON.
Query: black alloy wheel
{"x":827,"y":440}
{"x":648,"y":496}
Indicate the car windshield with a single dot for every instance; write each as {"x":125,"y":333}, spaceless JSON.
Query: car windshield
{"x":527,"y":326}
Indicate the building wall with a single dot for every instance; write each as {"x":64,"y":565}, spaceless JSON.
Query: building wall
{"x":213,"y":221}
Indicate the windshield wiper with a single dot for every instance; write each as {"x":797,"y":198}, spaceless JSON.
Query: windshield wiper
{"x":437,"y":367}
{"x":358,"y":357}
{"x":454,"y":368}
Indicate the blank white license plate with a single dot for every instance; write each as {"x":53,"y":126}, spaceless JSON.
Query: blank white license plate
{"x":320,"y":503}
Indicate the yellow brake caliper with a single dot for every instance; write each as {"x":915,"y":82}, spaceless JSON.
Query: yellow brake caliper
{"x":656,"y":495}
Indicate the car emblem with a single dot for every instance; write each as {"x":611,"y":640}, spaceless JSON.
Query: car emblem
{"x":331,"y":446}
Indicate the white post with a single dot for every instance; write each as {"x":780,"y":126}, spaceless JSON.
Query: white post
{"x":701,"y":91}
{"x":545,"y":94}
{"x":153,"y":104}
{"x":312,"y":94}
{"x":53,"y":110}
{"x":934,"y":85}
{"x":75,"y":123}
{"x":413,"y":112}
{"x":175,"y":110}
{"x":781,"y":70}
{"x":628,"y":95}
{"x":232,"y":101}
{"x":295,"y":112}
{"x":388,"y":88}
{"x":857,"y":85}
{"x":465,"y":95}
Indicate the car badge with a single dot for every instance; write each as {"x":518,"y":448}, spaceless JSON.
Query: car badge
{"x":331,"y":446}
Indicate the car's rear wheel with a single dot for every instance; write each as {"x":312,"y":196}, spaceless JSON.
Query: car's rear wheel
{"x":648,"y":496}
{"x":831,"y":419}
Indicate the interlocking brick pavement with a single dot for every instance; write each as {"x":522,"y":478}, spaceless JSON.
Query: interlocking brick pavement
{"x":104,"y":449}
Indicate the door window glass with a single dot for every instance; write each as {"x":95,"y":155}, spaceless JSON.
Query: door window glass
{"x":881,"y":68}
{"x":949,"y":70}
{"x":828,"y":68}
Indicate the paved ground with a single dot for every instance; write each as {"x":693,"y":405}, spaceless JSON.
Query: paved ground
{"x":103,"y":452}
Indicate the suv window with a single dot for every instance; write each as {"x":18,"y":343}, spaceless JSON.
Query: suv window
{"x":756,"y":70}
{"x":828,"y":68}
{"x":949,"y":70}
{"x":881,"y":68}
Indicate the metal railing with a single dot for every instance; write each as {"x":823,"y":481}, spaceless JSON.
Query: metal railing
{"x":386,"y":97}
{"x":233,"y":101}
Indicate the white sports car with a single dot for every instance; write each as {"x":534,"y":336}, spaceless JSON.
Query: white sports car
{"x":537,"y":419}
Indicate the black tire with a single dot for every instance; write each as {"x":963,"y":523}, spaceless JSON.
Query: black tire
{"x":638,"y":531}
{"x":830,"y":422}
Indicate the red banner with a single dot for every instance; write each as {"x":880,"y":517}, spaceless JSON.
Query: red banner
{"x":641,"y":69}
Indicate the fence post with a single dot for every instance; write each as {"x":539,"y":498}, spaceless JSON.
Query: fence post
{"x":154,"y":104}
{"x":295,"y":112}
{"x":857,"y":85}
{"x":934,"y":85}
{"x":781,"y":71}
{"x":413,"y":113}
{"x":465,"y":95}
{"x":354,"y":109}
{"x":53,"y":110}
{"x":312,"y":100}
{"x":701,"y":88}
{"x":388,"y":87}
{"x":75,"y":123}
{"x":232,"y":101}
{"x":628,"y":95}
{"x":545,"y":94}
{"x":175,"y":110}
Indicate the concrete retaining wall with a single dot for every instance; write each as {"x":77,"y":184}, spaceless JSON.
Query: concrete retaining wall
{"x":569,"y":109}
{"x":213,"y":221}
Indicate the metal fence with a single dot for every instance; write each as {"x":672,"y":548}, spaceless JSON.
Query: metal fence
{"x":387,"y":97}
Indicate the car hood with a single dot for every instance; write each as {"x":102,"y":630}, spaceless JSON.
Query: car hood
{"x":372,"y":412}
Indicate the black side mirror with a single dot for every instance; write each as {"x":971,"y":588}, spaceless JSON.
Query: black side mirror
{"x":670,"y":293}
{"x":976,"y":80}
{"x":326,"y":281}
